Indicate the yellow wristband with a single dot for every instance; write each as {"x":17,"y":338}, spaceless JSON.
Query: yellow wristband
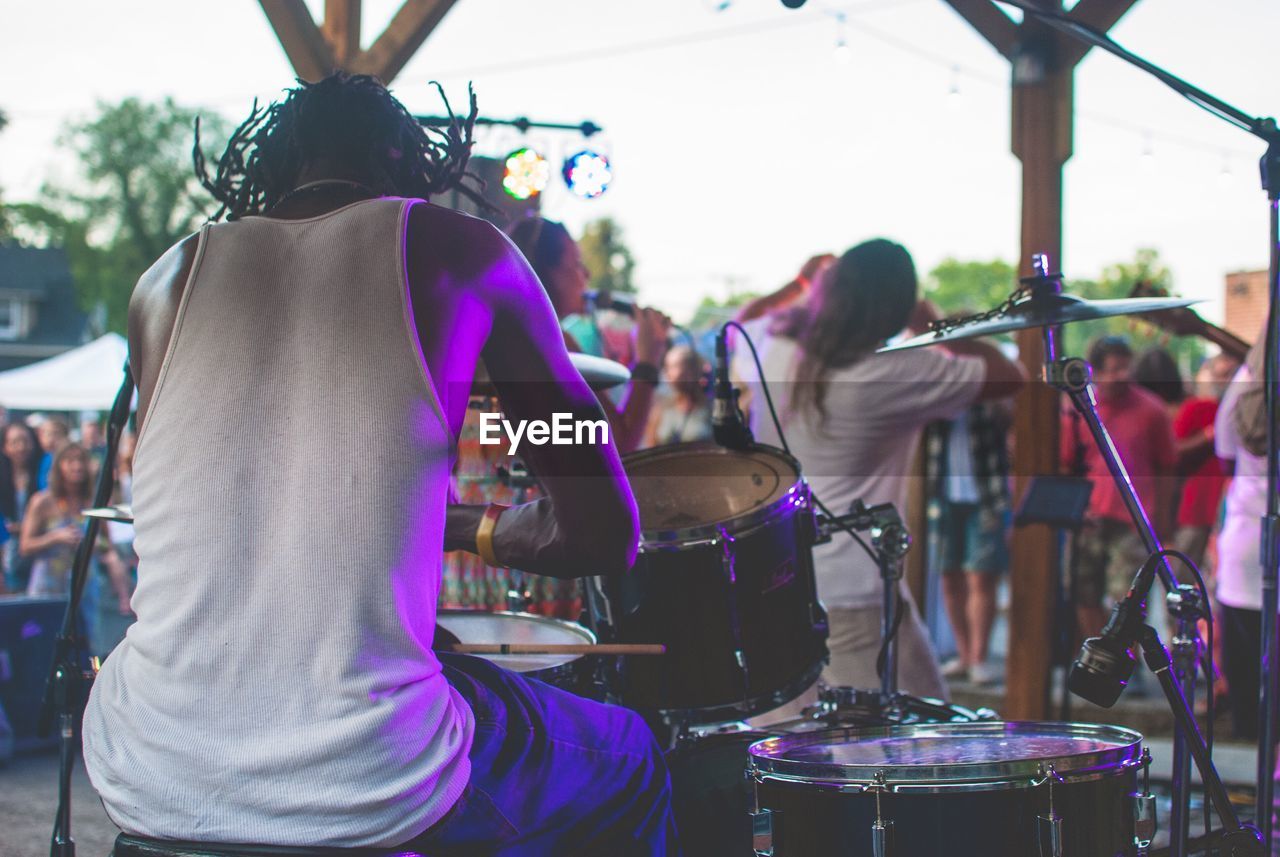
{"x":484,"y":534}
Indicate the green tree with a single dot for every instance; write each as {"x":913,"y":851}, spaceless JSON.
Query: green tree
{"x":966,"y":287}
{"x":713,"y":313}
{"x":607,"y":256}
{"x":135,"y":196}
{"x":6,"y":219}
{"x":1118,"y":281}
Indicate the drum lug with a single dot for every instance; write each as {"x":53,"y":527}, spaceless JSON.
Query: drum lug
{"x":1144,"y":809}
{"x":762,"y":832}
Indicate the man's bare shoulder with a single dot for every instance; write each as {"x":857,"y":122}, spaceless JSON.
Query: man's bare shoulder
{"x":169,"y":271}
{"x":469,"y":251}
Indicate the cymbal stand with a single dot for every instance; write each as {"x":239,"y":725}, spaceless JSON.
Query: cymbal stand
{"x":1073,"y":377}
{"x":67,"y":687}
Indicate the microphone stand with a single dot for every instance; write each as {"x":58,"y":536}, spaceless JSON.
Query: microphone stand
{"x":890,"y":541}
{"x":1073,"y":377}
{"x":67,"y":685}
{"x":1266,"y":130}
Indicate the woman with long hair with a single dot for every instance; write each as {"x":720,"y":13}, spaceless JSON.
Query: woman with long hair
{"x":53,"y":527}
{"x":19,"y":475}
{"x":853,"y":418}
{"x":557,"y":260}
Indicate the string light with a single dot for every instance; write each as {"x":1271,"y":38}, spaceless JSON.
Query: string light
{"x":1148,"y":156}
{"x":842,"y":54}
{"x":1225,"y":176}
{"x":954,"y":97}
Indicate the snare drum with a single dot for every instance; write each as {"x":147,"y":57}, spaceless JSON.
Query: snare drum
{"x":569,"y":672}
{"x":709,"y":795}
{"x":954,"y":789}
{"x":724,"y":579}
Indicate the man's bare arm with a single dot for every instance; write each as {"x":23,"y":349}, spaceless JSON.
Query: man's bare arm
{"x":588,"y":523}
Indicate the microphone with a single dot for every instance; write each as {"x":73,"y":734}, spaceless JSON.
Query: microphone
{"x":793,"y":4}
{"x":728,"y":428}
{"x":602,"y":299}
{"x":1105,"y":664}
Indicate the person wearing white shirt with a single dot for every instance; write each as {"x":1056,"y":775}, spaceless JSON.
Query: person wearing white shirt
{"x":853,"y":418}
{"x":1239,"y":569}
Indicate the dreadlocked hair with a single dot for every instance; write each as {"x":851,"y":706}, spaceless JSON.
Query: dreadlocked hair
{"x":349,"y":118}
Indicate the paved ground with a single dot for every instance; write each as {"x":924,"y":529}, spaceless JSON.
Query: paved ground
{"x":29,"y":802}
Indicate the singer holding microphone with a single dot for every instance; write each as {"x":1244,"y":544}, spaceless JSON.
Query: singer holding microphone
{"x":854,"y":418}
{"x":557,"y":260}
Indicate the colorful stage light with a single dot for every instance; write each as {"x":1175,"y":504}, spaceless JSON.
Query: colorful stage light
{"x":526,"y":174}
{"x":587,"y":174}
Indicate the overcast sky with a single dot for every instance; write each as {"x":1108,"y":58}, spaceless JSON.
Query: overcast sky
{"x":743,"y":140}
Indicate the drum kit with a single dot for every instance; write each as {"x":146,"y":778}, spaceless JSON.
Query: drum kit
{"x":721,"y":621}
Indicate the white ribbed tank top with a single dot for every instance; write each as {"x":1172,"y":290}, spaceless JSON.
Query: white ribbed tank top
{"x":289,"y":491}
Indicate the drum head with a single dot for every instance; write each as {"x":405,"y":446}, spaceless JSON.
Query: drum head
{"x":476,"y":627}
{"x":689,"y":486}
{"x":998,"y":754}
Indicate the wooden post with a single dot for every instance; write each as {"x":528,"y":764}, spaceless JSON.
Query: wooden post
{"x":1042,"y":125}
{"x":1043,"y":63}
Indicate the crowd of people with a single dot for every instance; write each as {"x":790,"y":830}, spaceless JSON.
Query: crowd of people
{"x":856,"y":424}
{"x":47,"y":480}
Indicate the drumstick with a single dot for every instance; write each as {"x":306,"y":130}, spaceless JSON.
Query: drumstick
{"x":556,"y":649}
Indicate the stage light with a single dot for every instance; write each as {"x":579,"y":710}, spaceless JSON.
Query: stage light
{"x":587,"y":174}
{"x":526,"y":174}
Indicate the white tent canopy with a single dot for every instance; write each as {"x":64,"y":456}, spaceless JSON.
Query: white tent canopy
{"x":82,"y":379}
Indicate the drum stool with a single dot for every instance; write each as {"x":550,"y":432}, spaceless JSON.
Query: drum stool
{"x":128,"y":845}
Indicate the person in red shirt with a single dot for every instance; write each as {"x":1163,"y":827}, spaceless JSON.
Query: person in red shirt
{"x":1201,"y":468}
{"x":1107,"y":552}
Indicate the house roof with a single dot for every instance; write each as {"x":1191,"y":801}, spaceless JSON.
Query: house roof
{"x":42,"y":275}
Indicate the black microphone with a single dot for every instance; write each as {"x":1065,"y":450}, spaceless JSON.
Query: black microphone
{"x":1105,"y":664}
{"x":602,"y":299}
{"x":728,"y":428}
{"x":793,"y":4}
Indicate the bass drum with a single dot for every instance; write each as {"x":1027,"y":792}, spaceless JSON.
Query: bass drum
{"x":948,"y":790}
{"x":724,"y":579}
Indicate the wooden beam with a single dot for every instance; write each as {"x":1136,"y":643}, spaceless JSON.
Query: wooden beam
{"x":1101,"y":15}
{"x":402,"y":37}
{"x":342,"y":30}
{"x":301,"y":39}
{"x":992,"y":24}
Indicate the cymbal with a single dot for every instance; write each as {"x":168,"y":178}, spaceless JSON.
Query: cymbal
{"x":1041,"y":311}
{"x":123,"y":513}
{"x":598,"y":372}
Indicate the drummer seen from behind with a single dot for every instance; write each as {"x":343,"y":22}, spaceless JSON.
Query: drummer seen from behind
{"x":557,"y":260}
{"x":854,"y":420}
{"x":279,"y":686}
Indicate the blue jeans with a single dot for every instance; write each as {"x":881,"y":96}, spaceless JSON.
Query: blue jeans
{"x":552,"y":773}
